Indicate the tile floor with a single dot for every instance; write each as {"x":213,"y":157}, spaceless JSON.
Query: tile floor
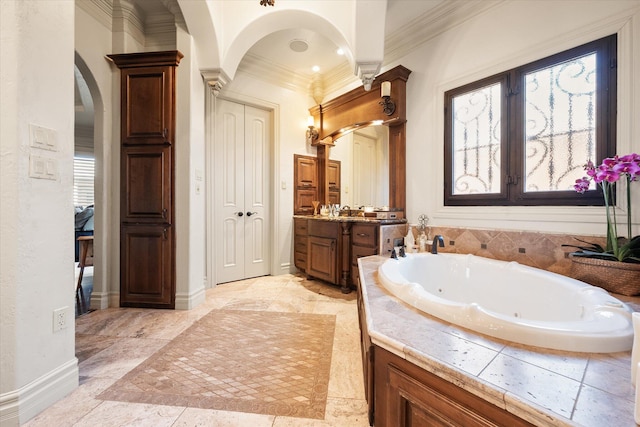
{"x":110,"y":343}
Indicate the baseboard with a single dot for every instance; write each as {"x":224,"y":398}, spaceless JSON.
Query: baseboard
{"x":189,"y":301}
{"x":19,"y":406}
{"x":287,"y":268}
{"x":99,"y":300}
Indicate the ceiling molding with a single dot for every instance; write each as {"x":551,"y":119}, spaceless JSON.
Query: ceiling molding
{"x":160,"y":32}
{"x":264,"y":69}
{"x":100,"y":10}
{"x":430,"y":24}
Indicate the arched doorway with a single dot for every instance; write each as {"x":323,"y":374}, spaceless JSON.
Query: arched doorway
{"x":90,"y":196}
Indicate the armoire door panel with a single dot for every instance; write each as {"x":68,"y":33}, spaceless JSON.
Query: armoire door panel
{"x":148,"y":105}
{"x":147,"y":266}
{"x":146,"y":184}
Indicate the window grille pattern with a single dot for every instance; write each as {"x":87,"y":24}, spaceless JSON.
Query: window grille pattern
{"x":559,"y":123}
{"x":476,"y":141}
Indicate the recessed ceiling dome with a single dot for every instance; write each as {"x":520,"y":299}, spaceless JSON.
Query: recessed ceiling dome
{"x":298,"y":45}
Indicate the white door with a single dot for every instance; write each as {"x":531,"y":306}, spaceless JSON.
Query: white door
{"x":365,"y":168}
{"x":241,"y":191}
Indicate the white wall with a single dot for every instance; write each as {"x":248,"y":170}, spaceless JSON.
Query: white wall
{"x":190,"y":178}
{"x":93,"y":40}
{"x":495,"y":41}
{"x":36,"y":215}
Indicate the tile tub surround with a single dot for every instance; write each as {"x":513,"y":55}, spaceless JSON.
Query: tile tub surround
{"x":540,"y":250}
{"x":544,"y":387}
{"x":112,"y":342}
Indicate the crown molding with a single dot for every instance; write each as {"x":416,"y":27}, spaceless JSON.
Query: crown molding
{"x":100,"y":10}
{"x":266,"y":70}
{"x":431,"y":24}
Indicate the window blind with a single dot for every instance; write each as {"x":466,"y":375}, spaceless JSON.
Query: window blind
{"x":83,"y":172}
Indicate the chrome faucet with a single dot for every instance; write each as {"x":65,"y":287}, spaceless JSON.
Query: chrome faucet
{"x":434,"y":247}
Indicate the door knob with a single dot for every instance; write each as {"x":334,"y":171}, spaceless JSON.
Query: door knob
{"x":252,"y":213}
{"x":238,"y":213}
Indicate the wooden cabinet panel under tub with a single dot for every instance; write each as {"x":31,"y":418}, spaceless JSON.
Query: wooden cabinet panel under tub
{"x":406,"y":395}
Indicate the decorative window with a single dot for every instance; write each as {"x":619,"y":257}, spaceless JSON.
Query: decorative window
{"x":522,"y":137}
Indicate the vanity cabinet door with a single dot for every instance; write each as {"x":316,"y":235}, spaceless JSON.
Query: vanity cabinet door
{"x":306,"y":171}
{"x":322,"y":259}
{"x":303,"y":199}
{"x":305,"y":177}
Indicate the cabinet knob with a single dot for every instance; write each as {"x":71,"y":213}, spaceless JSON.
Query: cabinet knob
{"x":238,"y":213}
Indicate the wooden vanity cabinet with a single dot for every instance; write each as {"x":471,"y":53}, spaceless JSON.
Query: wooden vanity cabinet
{"x":329,"y":249}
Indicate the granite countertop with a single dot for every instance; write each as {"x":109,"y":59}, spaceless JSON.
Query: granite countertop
{"x":544,"y":387}
{"x":352,"y":219}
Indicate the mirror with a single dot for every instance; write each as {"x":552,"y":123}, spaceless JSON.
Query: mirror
{"x":364,"y":171}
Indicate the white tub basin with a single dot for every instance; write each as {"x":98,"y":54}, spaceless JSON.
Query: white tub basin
{"x":511,"y":301}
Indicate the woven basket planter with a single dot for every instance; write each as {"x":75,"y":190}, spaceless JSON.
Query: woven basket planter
{"x":614,"y":276}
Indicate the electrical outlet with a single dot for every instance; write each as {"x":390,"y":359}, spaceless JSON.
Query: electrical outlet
{"x":60,"y":318}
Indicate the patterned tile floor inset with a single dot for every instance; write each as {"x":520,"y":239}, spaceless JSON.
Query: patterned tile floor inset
{"x":239,"y":360}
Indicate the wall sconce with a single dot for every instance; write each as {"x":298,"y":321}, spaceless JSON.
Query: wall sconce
{"x":388,"y":106}
{"x":312,"y":132}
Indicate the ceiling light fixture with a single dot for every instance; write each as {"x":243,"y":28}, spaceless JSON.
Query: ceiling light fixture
{"x":315,"y":68}
{"x":340,"y":51}
{"x":267,"y":2}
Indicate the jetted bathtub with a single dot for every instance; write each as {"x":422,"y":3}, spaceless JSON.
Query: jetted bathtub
{"x":511,"y":301}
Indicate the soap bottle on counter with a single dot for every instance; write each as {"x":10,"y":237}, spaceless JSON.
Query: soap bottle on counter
{"x":409,"y":240}
{"x":423,"y":241}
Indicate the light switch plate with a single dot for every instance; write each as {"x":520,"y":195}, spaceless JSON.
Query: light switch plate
{"x":43,"y":168}
{"x":43,"y":138}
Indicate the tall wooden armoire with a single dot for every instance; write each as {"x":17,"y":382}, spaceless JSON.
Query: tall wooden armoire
{"x":147,"y":228}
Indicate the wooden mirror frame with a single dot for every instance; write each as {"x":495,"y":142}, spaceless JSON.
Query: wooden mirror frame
{"x":359,"y":108}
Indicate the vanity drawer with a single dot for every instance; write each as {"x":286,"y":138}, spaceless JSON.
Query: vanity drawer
{"x":359,"y":252}
{"x":324,"y":229}
{"x":300,"y":227}
{"x":301,"y":244}
{"x":364,"y":235}
{"x":300,"y":260}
